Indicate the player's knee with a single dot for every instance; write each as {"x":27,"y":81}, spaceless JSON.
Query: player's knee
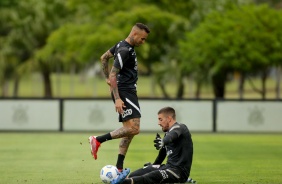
{"x":133,"y":125}
{"x":134,"y":130}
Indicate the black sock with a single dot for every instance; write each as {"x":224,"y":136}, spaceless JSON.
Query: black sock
{"x":104,"y":138}
{"x":120,"y":161}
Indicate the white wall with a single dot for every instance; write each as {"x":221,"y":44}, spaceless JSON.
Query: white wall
{"x":29,"y":115}
{"x":100,"y":115}
{"x":94,"y":115}
{"x":197,"y":115}
{"x":248,"y":116}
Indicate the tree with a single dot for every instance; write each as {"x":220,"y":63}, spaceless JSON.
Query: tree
{"x":86,"y":42}
{"x":7,"y":69}
{"x":246,"y":39}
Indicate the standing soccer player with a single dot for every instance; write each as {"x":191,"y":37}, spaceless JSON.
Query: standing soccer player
{"x":122,"y":80}
{"x":177,"y":146}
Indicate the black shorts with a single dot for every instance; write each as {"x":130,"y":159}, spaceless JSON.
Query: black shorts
{"x":132,"y":109}
{"x":157,"y":174}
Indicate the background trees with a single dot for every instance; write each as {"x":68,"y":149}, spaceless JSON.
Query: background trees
{"x":206,"y":40}
{"x":27,"y":25}
{"x":245,"y":40}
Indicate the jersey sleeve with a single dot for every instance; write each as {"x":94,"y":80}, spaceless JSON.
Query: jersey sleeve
{"x":112,"y":50}
{"x":161,"y":156}
{"x":172,"y":135}
{"x":121,"y":57}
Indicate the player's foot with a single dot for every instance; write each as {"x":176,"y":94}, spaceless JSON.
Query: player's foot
{"x":121,"y":176}
{"x":190,"y":180}
{"x":94,"y":146}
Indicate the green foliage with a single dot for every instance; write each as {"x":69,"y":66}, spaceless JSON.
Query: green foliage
{"x":87,"y":42}
{"x":27,"y":26}
{"x":245,"y":39}
{"x":242,"y":39}
{"x":67,"y":33}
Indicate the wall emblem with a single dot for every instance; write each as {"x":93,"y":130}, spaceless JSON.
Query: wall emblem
{"x":20,"y":115}
{"x":96,"y":115}
{"x":256,"y":117}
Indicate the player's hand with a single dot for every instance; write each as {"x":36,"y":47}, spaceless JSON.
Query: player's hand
{"x":119,"y":104}
{"x":158,"y":142}
{"x":108,"y":82}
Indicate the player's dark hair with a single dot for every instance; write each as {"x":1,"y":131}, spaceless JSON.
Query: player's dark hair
{"x":168,"y":111}
{"x":143,"y":27}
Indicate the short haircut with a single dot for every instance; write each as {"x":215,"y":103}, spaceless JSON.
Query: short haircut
{"x":169,"y":111}
{"x":143,"y":27}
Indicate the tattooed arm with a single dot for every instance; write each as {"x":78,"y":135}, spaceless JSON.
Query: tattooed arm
{"x":119,"y":104}
{"x":105,"y":64}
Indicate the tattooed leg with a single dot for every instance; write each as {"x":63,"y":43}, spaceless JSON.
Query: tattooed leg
{"x":124,"y":145}
{"x":127,"y":132}
{"x":130,"y":128}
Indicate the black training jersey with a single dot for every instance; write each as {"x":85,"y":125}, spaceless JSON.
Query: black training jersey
{"x":125,"y":59}
{"x":180,"y":150}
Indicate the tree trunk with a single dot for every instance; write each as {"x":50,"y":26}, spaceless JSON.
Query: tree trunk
{"x":153,"y":87}
{"x":5,"y":87}
{"x":241,"y":85}
{"x":16,"y":86}
{"x":58,"y":80}
{"x":47,"y":83}
{"x":198,"y":89}
{"x":180,"y":88}
{"x":162,"y":86}
{"x":218,"y":83}
{"x":72,"y":79}
{"x":263,"y":80}
{"x":278,"y":79}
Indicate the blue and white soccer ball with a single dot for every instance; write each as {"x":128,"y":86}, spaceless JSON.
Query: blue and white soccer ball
{"x":108,"y":173}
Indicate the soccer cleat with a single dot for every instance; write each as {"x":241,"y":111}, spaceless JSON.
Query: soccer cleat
{"x":190,"y":180}
{"x":121,"y":176}
{"x":94,"y":146}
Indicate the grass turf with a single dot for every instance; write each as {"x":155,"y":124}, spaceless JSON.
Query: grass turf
{"x":64,"y":158}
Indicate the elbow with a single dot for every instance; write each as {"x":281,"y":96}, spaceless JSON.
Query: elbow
{"x":102,"y":59}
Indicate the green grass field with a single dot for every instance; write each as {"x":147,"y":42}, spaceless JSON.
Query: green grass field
{"x":64,"y":158}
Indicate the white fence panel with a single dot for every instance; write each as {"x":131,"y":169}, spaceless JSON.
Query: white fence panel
{"x":249,"y":116}
{"x":29,"y":115}
{"x":100,"y":115}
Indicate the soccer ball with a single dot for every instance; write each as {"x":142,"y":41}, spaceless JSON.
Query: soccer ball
{"x":108,"y":173}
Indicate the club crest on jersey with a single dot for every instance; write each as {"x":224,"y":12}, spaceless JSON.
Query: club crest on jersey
{"x":127,"y":112}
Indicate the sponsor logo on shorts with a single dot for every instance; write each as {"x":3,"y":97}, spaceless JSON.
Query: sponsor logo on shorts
{"x":164,"y":174}
{"x":127,"y":112}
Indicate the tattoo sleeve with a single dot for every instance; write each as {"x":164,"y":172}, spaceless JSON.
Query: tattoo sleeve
{"x":105,"y":62}
{"x":113,"y":80}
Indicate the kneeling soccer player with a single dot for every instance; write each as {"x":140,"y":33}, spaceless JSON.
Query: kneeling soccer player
{"x":177,"y":146}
